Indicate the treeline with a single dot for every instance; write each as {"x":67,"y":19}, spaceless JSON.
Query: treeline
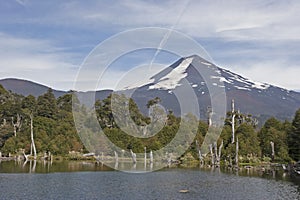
{"x":54,"y":129}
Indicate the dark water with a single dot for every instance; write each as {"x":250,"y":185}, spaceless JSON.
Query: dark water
{"x":90,"y":181}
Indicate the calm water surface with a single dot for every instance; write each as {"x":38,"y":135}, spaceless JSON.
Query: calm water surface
{"x":91,"y":181}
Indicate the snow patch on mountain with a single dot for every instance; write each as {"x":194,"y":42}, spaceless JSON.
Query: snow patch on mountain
{"x":172,"y":79}
{"x":242,"y":88}
{"x":259,"y":85}
{"x":247,"y":82}
{"x":206,"y":63}
{"x":221,"y":79}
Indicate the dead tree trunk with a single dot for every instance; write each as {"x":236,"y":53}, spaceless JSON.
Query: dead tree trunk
{"x":31,"y":136}
{"x":216,"y":153}
{"x":219,"y":155}
{"x":25,"y":156}
{"x":49,"y":156}
{"x":4,"y":123}
{"x":133,"y":156}
{"x":145,"y":130}
{"x":212,"y":155}
{"x":116,"y":157}
{"x":273,"y":151}
{"x":16,"y":125}
{"x":237,"y":153}
{"x":209,"y":116}
{"x":199,"y":153}
{"x":151,"y":157}
{"x":233,"y":121}
{"x":145,"y":156}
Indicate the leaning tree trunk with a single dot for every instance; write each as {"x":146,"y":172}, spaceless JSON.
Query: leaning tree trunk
{"x":31,"y":135}
{"x":220,"y":149}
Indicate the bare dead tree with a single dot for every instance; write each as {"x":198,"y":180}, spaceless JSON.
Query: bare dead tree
{"x":232,"y":121}
{"x":151,"y":157}
{"x":209,"y":116}
{"x":4,"y":123}
{"x":145,"y":156}
{"x":273,"y":151}
{"x":25,"y":156}
{"x":219,"y":154}
{"x":16,"y":125}
{"x":133,"y":156}
{"x":199,"y":152}
{"x":169,"y":158}
{"x":216,"y":151}
{"x":116,"y":156}
{"x":212,"y":155}
{"x":237,"y":153}
{"x":31,"y":136}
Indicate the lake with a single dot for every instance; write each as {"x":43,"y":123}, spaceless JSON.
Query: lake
{"x":87,"y":180}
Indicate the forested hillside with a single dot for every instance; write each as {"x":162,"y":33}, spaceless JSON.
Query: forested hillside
{"x":54,"y":129}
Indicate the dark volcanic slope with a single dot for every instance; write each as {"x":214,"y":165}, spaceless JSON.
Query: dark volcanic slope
{"x":260,"y":99}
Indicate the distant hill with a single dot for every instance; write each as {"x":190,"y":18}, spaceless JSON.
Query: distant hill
{"x":26,"y":88}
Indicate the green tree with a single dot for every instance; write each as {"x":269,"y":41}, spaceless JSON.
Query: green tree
{"x":248,"y":140}
{"x":29,"y":103}
{"x":274,"y":131}
{"x":65,"y":103}
{"x":46,"y":105}
{"x":294,"y":138}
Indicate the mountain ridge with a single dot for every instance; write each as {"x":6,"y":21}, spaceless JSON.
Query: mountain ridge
{"x":260,"y":99}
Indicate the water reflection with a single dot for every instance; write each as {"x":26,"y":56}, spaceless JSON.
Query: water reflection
{"x":44,"y":166}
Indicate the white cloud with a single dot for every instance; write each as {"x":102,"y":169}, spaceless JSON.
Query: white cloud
{"x":269,"y":27}
{"x":35,"y":59}
{"x":277,"y":73}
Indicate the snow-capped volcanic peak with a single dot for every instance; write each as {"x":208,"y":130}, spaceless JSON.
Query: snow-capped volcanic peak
{"x":172,"y":79}
{"x":172,"y":76}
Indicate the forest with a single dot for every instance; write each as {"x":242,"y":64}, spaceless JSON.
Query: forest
{"x":54,"y":130}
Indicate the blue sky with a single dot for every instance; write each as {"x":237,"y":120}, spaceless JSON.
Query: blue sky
{"x":47,"y":41}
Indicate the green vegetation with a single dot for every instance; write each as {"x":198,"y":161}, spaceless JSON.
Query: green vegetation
{"x":54,"y":129}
